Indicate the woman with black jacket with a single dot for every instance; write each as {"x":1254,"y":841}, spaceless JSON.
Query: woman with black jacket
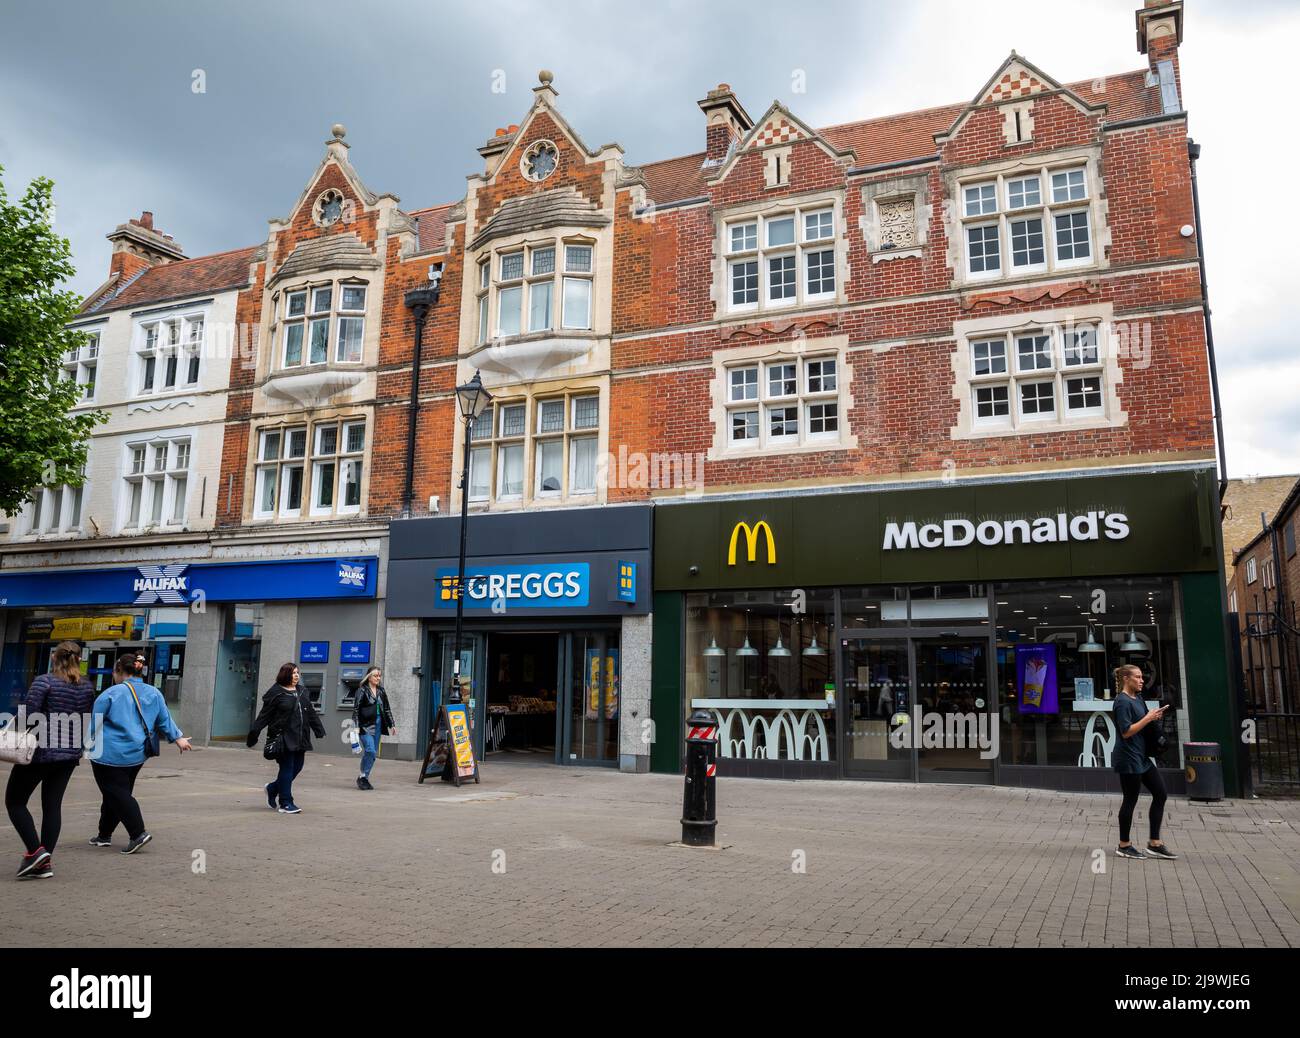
{"x":290,"y":719}
{"x":374,"y":718}
{"x":63,"y":697}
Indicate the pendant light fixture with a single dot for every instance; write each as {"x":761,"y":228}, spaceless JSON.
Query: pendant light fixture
{"x":1092,"y":645}
{"x":713,"y":648}
{"x":747,"y":649}
{"x":778,"y":649}
{"x":814,"y":649}
{"x":1132,"y":645}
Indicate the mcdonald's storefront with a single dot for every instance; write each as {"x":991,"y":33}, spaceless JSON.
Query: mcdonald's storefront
{"x":953,"y":633}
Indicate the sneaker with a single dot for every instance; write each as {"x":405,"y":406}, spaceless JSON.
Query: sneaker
{"x":137,"y":843}
{"x":361,"y":782}
{"x":42,"y":871}
{"x":1161,"y":852}
{"x":32,"y":862}
{"x":270,"y":796}
{"x":1130,"y":852}
{"x":100,"y":841}
{"x":365,"y":783}
{"x":291,"y":809}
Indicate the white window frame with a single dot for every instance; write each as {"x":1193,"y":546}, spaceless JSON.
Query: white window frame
{"x":1060,"y":371}
{"x":330,"y":317}
{"x":492,"y":285}
{"x":995,"y":210}
{"x":490,"y":442}
{"x":1252,"y":570}
{"x":81,"y":364}
{"x":175,"y":337}
{"x":62,"y":500}
{"x":342,"y":460}
{"x":156,"y":473}
{"x":739,"y":247}
{"x":766,"y":402}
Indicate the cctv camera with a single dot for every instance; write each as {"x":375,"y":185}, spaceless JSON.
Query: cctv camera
{"x":435,"y":273}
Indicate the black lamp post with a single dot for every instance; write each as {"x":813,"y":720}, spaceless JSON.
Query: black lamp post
{"x":472,"y":398}
{"x":419,"y":301}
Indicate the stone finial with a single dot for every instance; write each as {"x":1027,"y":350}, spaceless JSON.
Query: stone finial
{"x":339,"y":130}
{"x":545,"y":77}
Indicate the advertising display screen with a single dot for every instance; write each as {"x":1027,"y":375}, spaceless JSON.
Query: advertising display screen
{"x":1036,"y":688}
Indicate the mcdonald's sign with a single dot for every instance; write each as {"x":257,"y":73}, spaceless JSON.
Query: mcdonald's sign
{"x":751,"y":541}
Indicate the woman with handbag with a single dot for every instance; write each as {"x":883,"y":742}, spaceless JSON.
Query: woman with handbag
{"x":290,"y":720}
{"x":127,"y":719}
{"x":1130,"y":759}
{"x":373,"y":718}
{"x":63,"y":698}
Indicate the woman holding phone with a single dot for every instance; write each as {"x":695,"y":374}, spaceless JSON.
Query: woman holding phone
{"x":1134,"y":766}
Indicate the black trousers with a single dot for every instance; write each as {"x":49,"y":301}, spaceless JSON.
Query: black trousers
{"x":1132,"y":785}
{"x":52,"y":777}
{"x":118,"y":785}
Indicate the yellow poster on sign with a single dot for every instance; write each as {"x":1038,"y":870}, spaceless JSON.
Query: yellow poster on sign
{"x":67,"y":627}
{"x":92,"y":628}
{"x":458,"y":723}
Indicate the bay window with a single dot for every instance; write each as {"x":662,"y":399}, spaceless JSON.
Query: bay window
{"x":532,"y":283}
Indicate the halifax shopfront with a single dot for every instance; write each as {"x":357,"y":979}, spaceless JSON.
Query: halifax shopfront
{"x":213,"y":633}
{"x":556,"y":642}
{"x":953,"y":634}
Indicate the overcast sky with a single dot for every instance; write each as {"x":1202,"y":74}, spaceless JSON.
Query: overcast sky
{"x":99,"y":96}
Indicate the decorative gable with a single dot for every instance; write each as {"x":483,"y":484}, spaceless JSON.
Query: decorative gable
{"x":777,"y":130}
{"x":1016,"y":82}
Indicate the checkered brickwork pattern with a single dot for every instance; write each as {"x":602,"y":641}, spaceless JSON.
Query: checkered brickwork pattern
{"x":777,"y":131}
{"x":1016,"y":83}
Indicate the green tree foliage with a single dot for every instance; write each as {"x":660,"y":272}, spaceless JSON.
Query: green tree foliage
{"x":40,"y":441}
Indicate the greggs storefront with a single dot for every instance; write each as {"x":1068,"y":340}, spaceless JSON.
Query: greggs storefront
{"x":958,"y":633}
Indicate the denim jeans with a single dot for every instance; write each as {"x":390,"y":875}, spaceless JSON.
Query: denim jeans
{"x":290,"y":765}
{"x":369,"y":749}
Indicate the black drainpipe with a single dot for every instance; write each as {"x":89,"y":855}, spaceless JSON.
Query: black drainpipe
{"x":419,"y":301}
{"x":1194,"y":153}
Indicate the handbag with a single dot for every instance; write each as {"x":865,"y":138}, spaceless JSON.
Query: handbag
{"x":1156,"y":742}
{"x":151,"y":741}
{"x":274,"y":746}
{"x":17,"y":745}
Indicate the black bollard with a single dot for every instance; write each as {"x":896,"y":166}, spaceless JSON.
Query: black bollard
{"x":699,"y":803}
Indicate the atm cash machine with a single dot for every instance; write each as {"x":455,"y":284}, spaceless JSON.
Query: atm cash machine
{"x":349,"y":682}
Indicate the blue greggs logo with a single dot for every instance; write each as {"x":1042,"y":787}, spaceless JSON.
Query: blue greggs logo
{"x":559,"y":586}
{"x":751,"y":541}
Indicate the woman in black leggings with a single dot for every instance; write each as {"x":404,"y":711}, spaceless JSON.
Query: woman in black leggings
{"x":62,"y":698}
{"x":1134,"y":766}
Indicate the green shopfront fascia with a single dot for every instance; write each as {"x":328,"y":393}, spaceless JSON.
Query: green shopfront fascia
{"x":958,"y":633}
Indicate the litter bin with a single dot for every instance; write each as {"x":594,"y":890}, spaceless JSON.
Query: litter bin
{"x":1204,"y":764}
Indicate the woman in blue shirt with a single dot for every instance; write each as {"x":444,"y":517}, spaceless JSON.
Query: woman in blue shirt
{"x":124,"y":716}
{"x":1134,"y":766}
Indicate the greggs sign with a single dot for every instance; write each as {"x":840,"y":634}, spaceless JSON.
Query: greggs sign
{"x":751,"y":541}
{"x":1047,"y":529}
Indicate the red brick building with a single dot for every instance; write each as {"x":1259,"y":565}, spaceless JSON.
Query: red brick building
{"x":1002,"y":294}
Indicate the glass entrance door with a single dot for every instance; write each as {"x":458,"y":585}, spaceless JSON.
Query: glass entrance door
{"x":877,"y":681}
{"x":590,"y":709}
{"x":957,"y":739}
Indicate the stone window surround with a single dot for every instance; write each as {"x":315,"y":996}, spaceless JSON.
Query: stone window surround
{"x":81,"y":363}
{"x":336,"y":281}
{"x":71,"y":501}
{"x":167,"y":477}
{"x":491,"y":254}
{"x":531,"y":395}
{"x":837,"y":346}
{"x":1101,"y":315}
{"x":340,"y":416}
{"x":917,"y":188}
{"x":186,"y":316}
{"x":954,"y":180}
{"x":765,"y":208}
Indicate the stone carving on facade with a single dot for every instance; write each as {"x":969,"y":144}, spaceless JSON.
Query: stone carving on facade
{"x":897,"y":223}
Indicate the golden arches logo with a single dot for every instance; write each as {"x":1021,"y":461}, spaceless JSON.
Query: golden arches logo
{"x":751,"y":541}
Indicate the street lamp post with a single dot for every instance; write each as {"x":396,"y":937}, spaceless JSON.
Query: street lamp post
{"x":472,"y":399}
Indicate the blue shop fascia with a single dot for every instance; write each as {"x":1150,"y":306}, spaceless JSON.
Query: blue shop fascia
{"x":213,"y":633}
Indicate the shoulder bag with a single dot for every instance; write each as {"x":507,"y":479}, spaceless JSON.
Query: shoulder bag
{"x":17,"y":745}
{"x":151,"y":741}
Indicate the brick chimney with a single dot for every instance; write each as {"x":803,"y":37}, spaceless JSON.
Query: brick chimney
{"x":495,"y":146}
{"x":1159,"y":32}
{"x":137,"y":245}
{"x":726,"y":123}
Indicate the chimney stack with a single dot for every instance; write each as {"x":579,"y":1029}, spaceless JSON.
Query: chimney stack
{"x":137,"y":245}
{"x":1159,"y":32}
{"x":726,"y":123}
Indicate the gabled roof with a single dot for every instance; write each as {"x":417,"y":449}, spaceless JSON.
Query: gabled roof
{"x":182,"y":279}
{"x":909,"y":135}
{"x":340,"y":251}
